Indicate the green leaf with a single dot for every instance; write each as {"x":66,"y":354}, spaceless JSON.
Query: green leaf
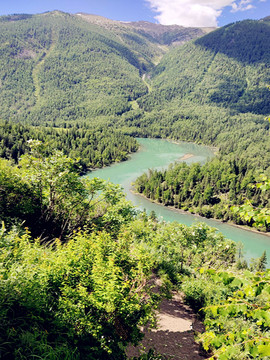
{"x":264,"y":350}
{"x":214,"y":310}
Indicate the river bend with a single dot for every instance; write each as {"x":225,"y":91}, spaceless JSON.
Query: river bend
{"x":158,"y":154}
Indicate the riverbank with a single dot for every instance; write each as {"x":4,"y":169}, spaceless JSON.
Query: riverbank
{"x":181,"y":211}
{"x":158,"y":154}
{"x":214,"y":149}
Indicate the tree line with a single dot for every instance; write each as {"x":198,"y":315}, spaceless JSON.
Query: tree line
{"x":93,"y":148}
{"x":208,"y":190}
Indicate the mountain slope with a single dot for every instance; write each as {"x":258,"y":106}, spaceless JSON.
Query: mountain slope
{"x":57,"y":68}
{"x":214,"y":90}
{"x":228,"y":66}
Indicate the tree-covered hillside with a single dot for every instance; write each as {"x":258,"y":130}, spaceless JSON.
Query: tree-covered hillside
{"x":216,"y":84}
{"x":208,"y":190}
{"x":58,"y":68}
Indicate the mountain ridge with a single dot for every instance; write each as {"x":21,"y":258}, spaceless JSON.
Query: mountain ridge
{"x":102,"y":74}
{"x":163,"y":34}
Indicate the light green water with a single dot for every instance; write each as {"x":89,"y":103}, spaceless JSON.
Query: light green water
{"x":158,"y":154}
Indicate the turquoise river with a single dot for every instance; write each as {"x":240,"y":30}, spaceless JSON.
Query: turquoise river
{"x":158,"y":154}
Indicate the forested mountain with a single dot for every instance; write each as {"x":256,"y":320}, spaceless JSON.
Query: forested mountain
{"x":214,"y":89}
{"x":62,"y":69}
{"x":57,"y":68}
{"x":51,"y":70}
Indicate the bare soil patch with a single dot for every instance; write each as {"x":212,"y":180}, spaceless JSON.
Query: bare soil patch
{"x":174,"y":336}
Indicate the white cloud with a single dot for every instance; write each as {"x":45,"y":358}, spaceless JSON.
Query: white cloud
{"x":243,"y":5}
{"x":194,"y":12}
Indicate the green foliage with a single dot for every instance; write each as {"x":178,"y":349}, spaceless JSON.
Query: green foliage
{"x":208,"y":189}
{"x":258,"y":215}
{"x":236,"y":314}
{"x":195,"y":294}
{"x":48,"y":194}
{"x":93,"y":148}
{"x":85,"y":294}
{"x":176,"y":249}
{"x":82,"y":300}
{"x":86,"y":299}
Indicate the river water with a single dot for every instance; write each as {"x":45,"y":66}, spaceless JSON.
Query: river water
{"x":158,"y":154}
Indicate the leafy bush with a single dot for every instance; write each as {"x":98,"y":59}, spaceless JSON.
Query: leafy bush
{"x":236,"y":310}
{"x":81,"y":300}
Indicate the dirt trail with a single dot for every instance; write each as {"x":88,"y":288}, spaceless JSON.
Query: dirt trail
{"x":173,"y":337}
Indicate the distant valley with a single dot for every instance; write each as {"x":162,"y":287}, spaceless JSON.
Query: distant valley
{"x":204,"y":85}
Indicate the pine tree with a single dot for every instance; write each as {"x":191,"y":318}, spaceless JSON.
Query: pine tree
{"x":262,"y":262}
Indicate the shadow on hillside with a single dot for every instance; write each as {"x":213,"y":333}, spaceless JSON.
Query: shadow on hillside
{"x":246,"y":41}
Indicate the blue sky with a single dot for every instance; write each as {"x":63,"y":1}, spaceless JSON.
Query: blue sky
{"x":182,"y":12}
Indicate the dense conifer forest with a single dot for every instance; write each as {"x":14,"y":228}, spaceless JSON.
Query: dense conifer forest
{"x":77,"y":260}
{"x":94,"y":148}
{"x":209,"y":190}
